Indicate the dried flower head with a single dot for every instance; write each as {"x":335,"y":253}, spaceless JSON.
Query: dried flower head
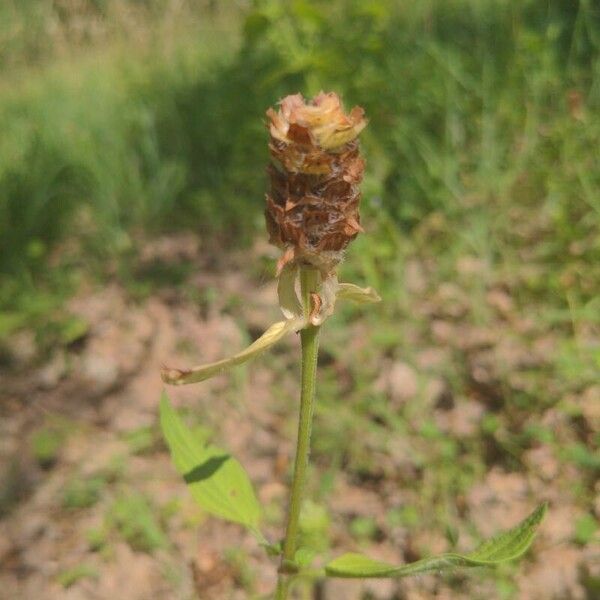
{"x":312,"y":208}
{"x":312,"y":213}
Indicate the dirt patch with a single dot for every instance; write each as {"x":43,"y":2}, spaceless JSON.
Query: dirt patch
{"x":67,"y":528}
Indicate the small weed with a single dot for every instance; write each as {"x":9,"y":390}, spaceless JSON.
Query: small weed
{"x":586,"y":529}
{"x":83,"y":493}
{"x":45,"y":445}
{"x":14,"y":485}
{"x":582,"y":456}
{"x":143,"y":440}
{"x":47,"y":441}
{"x":238,"y":561}
{"x":115,"y":469}
{"x":314,"y":526}
{"x":134,"y":518}
{"x":96,"y":538}
{"x":71,"y":576}
{"x":407,"y":516}
{"x":364,"y":528}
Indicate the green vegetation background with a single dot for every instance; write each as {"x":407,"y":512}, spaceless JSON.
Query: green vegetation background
{"x":120,"y":116}
{"x":122,"y":120}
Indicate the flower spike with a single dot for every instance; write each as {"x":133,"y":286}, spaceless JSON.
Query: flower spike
{"x":315,"y":172}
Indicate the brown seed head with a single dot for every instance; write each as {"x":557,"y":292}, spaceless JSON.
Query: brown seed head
{"x":312,"y":208}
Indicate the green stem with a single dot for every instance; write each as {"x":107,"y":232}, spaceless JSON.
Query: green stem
{"x":309,"y":279}
{"x":283,"y":587}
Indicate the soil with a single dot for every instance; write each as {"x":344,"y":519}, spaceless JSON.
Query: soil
{"x":104,"y":388}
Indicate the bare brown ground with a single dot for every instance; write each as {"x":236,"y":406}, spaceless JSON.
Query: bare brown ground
{"x":108,"y":385}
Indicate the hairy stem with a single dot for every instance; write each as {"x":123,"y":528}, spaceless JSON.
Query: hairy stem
{"x":309,"y":279}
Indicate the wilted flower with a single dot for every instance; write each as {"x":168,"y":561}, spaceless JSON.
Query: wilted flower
{"x":312,"y":213}
{"x":312,"y":208}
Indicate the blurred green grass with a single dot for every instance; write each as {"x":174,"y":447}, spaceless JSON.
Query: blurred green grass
{"x":481,"y":144}
{"x":127,"y":120}
{"x":481,"y":113}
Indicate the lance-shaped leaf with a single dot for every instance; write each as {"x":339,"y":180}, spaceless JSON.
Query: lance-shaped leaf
{"x":217,"y":481}
{"x":202,"y":372}
{"x":505,"y":547}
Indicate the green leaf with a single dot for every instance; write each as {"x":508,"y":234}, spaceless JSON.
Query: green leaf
{"x":507,"y":546}
{"x":217,"y":481}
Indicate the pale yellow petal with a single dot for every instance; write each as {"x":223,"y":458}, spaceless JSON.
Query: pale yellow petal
{"x":289,"y":302}
{"x":349,"y":291}
{"x":328,"y":295}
